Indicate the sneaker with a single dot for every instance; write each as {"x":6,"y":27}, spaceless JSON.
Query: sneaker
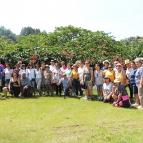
{"x":82,"y":89}
{"x":3,"y":98}
{"x":140,"y":107}
{"x":135,"y":104}
{"x":73,"y":94}
{"x":85,"y":97}
{"x":89,"y":98}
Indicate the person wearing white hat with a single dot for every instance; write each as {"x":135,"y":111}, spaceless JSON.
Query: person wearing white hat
{"x":106,"y":64}
{"x":120,"y":74}
{"x":120,"y":95}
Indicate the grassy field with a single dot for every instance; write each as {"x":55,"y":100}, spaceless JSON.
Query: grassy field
{"x":70,"y":120}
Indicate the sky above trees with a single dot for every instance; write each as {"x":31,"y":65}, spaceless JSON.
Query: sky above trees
{"x":123,"y":18}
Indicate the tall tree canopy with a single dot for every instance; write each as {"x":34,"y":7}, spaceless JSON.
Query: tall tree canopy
{"x":29,"y":30}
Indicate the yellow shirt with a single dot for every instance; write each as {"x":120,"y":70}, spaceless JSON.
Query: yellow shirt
{"x":110,"y":74}
{"x":74,"y":74}
{"x":120,"y":76}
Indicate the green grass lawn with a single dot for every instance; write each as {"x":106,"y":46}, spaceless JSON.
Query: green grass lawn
{"x":70,"y":120}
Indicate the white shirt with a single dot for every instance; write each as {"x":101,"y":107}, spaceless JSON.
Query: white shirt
{"x":8,"y":73}
{"x":128,"y":71}
{"x":52,"y":68}
{"x":56,"y":74}
{"x":107,"y":88}
{"x":80,"y":72}
{"x":38,"y":73}
{"x":98,"y":77}
{"x":21,"y":71}
{"x":30,"y":73}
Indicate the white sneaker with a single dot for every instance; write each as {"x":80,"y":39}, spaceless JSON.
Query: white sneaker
{"x":140,"y":107}
{"x":135,"y":104}
{"x":85,"y":97}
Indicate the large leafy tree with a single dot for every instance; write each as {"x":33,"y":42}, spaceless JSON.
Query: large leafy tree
{"x":29,"y":30}
{"x":69,"y":44}
{"x":7,"y":34}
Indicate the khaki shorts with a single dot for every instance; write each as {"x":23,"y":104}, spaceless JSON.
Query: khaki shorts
{"x":0,"y":82}
{"x":140,"y":93}
{"x":87,"y":83}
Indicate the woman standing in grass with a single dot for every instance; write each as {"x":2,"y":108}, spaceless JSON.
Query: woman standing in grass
{"x":57,"y":74}
{"x":139,"y":80}
{"x":30,"y":73}
{"x":75,"y":79}
{"x":133,"y":84}
{"x":48,"y":76}
{"x":87,"y":80}
{"x":39,"y":78}
{"x":7,"y":71}
{"x":98,"y":80}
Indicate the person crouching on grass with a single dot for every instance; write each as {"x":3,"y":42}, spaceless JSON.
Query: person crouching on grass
{"x":67,"y":85}
{"x":25,"y":86}
{"x":120,"y":95}
{"x":107,"y":89}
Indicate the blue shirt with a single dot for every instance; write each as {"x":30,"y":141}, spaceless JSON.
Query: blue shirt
{"x":138,"y":76}
{"x":132,"y":76}
{"x":1,"y":70}
{"x":68,"y":72}
{"x":65,"y":83}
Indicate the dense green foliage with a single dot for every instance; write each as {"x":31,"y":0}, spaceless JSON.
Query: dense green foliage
{"x":69,"y":44}
{"x":29,"y":30}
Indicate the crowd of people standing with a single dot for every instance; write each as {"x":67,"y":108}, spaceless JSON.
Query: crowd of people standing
{"x":109,"y":79}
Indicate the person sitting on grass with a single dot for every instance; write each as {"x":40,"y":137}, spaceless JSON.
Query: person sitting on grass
{"x":120,"y":95}
{"x":107,"y":89}
{"x":67,"y":85}
{"x":13,"y":86}
{"x":25,"y":86}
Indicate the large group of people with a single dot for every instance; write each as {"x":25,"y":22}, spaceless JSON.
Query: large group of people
{"x":110,"y":79}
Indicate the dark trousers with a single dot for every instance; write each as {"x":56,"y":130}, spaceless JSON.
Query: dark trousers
{"x":131,"y":91}
{"x":58,"y":89}
{"x":76,"y":85}
{"x":26,"y":91}
{"x":80,"y":87}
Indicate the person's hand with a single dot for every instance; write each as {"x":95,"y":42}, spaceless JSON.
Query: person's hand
{"x":26,"y":87}
{"x":90,"y":82}
{"x":140,"y":86}
{"x":108,"y":97}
